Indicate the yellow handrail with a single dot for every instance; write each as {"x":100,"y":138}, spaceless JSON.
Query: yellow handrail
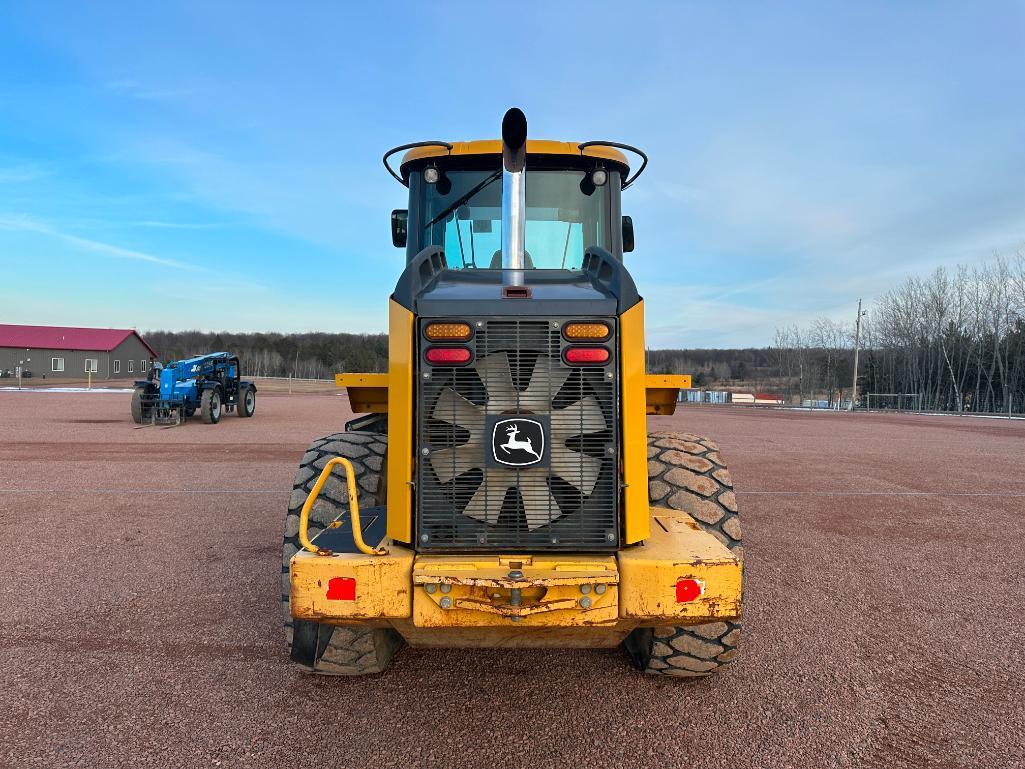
{"x":357,"y":531}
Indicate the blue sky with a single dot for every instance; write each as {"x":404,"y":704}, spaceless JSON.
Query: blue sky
{"x":217,"y":165}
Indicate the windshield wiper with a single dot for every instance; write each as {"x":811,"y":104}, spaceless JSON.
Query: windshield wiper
{"x":463,"y":199}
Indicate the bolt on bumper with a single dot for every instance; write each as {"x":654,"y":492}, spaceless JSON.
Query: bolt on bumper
{"x":640,"y":585}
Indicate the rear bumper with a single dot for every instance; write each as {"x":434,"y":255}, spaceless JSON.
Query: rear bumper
{"x":525,"y":600}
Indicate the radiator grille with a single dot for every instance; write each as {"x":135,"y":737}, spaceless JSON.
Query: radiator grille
{"x":568,"y":499}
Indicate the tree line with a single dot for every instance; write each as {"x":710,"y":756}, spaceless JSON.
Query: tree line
{"x":952,"y":341}
{"x":713,"y":368}
{"x":304,"y":356}
{"x":321,"y":355}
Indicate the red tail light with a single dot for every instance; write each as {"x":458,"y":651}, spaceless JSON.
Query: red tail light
{"x":341,"y":589}
{"x":447,"y":356}
{"x":688,"y":589}
{"x":582,"y":356}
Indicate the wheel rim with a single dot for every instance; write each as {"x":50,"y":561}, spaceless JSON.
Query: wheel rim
{"x":215,"y":407}
{"x":249,"y":401}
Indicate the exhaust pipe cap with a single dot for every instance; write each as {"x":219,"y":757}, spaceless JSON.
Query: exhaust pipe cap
{"x":514,"y":140}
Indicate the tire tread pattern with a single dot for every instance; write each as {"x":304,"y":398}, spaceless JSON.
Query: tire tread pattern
{"x":686,"y":472}
{"x":350,"y":650}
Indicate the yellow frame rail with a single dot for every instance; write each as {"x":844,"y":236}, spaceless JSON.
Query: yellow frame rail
{"x":357,"y":529}
{"x":368,"y":393}
{"x":663,"y":390}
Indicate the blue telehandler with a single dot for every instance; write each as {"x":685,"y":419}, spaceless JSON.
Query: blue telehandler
{"x":208,"y":383}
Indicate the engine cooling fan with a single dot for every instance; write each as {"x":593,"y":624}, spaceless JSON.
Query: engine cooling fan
{"x":571,"y":422}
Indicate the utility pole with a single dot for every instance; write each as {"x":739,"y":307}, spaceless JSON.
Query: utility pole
{"x":21,"y":367}
{"x":857,"y":349}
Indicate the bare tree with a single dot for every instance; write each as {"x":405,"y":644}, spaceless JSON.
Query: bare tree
{"x":955,"y":340}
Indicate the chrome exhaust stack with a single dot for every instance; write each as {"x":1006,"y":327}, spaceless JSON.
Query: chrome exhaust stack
{"x":514,"y":205}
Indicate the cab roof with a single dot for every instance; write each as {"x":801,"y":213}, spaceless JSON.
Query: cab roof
{"x":535,"y":147}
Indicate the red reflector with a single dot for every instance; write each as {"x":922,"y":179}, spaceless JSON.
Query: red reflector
{"x":688,"y":590}
{"x":341,"y":589}
{"x":441,"y":356}
{"x":587,"y":355}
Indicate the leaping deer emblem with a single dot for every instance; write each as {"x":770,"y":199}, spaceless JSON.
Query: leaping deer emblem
{"x":515,"y":443}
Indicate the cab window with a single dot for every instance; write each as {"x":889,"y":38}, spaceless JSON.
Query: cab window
{"x":462,"y":212}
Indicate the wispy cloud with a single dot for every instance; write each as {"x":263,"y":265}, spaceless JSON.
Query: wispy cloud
{"x":135,"y":90}
{"x":707,"y":316}
{"x":28,"y":224}
{"x":180,"y":225}
{"x":22,"y":172}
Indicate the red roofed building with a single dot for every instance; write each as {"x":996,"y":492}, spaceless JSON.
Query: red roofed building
{"x":64,"y":352}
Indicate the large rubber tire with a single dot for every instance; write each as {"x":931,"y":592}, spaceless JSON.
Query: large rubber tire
{"x":139,"y":413}
{"x":246,"y":401}
{"x":210,"y":406}
{"x":686,"y":472}
{"x":350,"y":651}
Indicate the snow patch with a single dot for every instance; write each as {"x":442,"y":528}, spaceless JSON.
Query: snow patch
{"x":67,"y":390}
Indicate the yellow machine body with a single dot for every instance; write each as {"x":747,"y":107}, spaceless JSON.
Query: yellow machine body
{"x":522,"y":599}
{"x":563,"y":599}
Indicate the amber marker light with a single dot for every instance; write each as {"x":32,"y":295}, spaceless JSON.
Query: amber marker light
{"x":586,"y":331}
{"x":448,"y":332}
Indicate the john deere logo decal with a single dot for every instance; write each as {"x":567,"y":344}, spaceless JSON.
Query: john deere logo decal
{"x":518,"y":442}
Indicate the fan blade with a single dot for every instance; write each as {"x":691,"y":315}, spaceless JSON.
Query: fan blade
{"x":539,"y":505}
{"x":576,"y":468}
{"x":450,"y":462}
{"x":453,"y":408}
{"x":486,"y":503}
{"x":545,"y":383}
{"x":496,"y":375}
{"x":578,"y":418}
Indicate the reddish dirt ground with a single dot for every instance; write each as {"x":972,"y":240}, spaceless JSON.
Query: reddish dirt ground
{"x":140,"y":626}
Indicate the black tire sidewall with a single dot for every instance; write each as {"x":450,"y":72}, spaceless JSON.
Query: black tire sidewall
{"x":245,"y":409}
{"x":207,"y":402}
{"x":139,"y":412}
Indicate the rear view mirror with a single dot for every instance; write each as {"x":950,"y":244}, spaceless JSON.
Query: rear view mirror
{"x":628,"y":234}
{"x":398,"y":227}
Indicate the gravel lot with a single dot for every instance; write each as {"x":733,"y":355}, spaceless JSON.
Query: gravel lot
{"x":140,"y":625}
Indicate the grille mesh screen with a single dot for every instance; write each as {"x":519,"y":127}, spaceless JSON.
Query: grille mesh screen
{"x":568,"y":501}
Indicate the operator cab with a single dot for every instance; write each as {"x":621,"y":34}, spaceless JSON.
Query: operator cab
{"x":455,"y":203}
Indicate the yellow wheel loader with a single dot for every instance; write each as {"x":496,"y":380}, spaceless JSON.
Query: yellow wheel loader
{"x":500,"y":487}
